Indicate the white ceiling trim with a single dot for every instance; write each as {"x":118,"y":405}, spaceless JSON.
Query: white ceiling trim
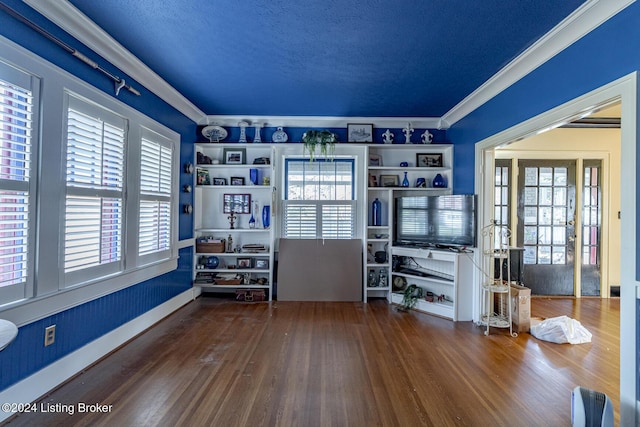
{"x":583,"y":20}
{"x":324,"y":121}
{"x":70,"y":19}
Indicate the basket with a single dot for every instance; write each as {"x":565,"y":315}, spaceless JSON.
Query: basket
{"x":210,"y":248}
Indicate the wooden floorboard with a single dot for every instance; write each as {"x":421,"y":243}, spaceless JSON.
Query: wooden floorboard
{"x":216,"y":362}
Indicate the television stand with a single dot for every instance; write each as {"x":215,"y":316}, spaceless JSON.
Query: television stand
{"x":440,"y":272}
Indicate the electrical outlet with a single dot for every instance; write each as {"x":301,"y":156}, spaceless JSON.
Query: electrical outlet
{"x":49,"y":335}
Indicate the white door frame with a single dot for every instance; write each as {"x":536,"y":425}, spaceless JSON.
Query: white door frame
{"x":623,"y":90}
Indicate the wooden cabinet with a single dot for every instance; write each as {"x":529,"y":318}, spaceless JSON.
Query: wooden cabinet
{"x":446,"y":278}
{"x":386,"y":168}
{"x":234,"y":177}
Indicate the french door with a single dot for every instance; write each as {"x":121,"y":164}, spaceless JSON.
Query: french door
{"x":546,"y":224}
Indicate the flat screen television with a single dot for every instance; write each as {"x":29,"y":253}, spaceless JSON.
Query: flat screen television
{"x":447,"y":220}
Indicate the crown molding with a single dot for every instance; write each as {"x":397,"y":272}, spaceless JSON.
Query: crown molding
{"x":69,"y":18}
{"x":323,"y":121}
{"x":582,"y":21}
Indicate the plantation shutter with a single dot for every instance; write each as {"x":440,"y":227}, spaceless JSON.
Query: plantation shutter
{"x":16,"y":121}
{"x":95,"y":182}
{"x":319,"y":199}
{"x":155,"y":193}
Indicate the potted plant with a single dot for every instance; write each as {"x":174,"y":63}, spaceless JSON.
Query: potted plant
{"x":410,"y":297}
{"x":323,"y":138}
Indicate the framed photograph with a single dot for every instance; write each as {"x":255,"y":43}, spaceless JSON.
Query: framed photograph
{"x":237,"y":180}
{"x":373,"y":181}
{"x":236,"y":203}
{"x":203,"y":177}
{"x":358,"y":132}
{"x":389,"y":181}
{"x":262,"y":263}
{"x":429,"y":160}
{"x":219,"y":181}
{"x":243,"y":263}
{"x":375,"y":160}
{"x":235,"y":156}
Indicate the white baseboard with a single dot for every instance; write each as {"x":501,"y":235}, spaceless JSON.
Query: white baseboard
{"x":46,"y":379}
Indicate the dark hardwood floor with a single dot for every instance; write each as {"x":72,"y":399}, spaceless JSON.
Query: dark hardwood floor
{"x":216,"y":362}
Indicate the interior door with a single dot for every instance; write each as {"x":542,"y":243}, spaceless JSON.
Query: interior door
{"x":546,"y":224}
{"x":591,"y":228}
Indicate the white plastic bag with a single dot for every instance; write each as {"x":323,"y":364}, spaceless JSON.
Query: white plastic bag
{"x":561,"y":330}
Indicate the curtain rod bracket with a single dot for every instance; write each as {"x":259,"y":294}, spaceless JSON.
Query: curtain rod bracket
{"x":119,"y":85}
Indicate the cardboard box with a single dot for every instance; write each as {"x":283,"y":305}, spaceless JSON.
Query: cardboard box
{"x":520,"y":298}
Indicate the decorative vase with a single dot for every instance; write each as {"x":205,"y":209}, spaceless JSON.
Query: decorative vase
{"x":405,"y":181}
{"x":252,"y":221}
{"x":253,"y":176}
{"x":257,"y":138}
{"x":439,"y":182}
{"x":266,"y":216}
{"x":376,"y":212}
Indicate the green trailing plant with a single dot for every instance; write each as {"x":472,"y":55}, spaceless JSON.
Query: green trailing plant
{"x":410,"y":297}
{"x":324,"y":139}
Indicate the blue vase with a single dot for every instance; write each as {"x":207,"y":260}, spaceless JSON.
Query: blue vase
{"x":376,"y":212}
{"x":405,"y":181}
{"x":253,"y":176}
{"x":266,"y":216}
{"x":439,"y":182}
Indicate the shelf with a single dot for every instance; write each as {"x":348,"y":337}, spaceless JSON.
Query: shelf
{"x":433,"y":279}
{"x":232,"y":270}
{"x":409,"y":168}
{"x":235,"y":187}
{"x":236,"y":254}
{"x":377,"y":265}
{"x":235,"y":230}
{"x":211,"y":285}
{"x":378,"y":288}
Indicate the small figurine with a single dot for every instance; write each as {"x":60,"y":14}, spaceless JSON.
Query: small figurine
{"x":232,"y":220}
{"x":427,"y":137}
{"x":407,"y":133}
{"x":387,"y":137}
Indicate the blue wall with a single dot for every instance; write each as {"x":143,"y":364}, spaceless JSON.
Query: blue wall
{"x":83,"y":324}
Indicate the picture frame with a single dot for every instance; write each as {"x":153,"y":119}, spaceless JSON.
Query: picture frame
{"x":235,"y":156}
{"x":375,"y":160}
{"x":219,"y":181}
{"x":360,"y":132}
{"x":389,"y":181}
{"x":236,"y":203}
{"x":373,"y":180}
{"x":237,"y":180}
{"x":262,"y":263}
{"x":243,"y":263}
{"x":203,"y":177}
{"x":429,"y":160}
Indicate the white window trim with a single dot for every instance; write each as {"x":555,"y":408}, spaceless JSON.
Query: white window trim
{"x":48,"y":295}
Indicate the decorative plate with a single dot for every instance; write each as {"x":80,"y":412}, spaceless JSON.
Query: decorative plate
{"x":279,"y":135}
{"x":214,"y":133}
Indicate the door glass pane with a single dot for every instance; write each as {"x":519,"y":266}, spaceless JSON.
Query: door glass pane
{"x":505,"y":176}
{"x":586,"y":236}
{"x":545,"y":196}
{"x":559,"y":255}
{"x":560,"y":196}
{"x":544,"y":254}
{"x":530,"y":235}
{"x":529,"y":256}
{"x":546,"y":177}
{"x":545,"y":216}
{"x":559,"y":216}
{"x":530,"y":196}
{"x":530,"y":215}
{"x":560,"y":176}
{"x":531,"y":176}
{"x":544,"y":235}
{"x":559,"y":235}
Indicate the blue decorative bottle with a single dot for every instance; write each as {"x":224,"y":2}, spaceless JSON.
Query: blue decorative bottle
{"x":266,"y":216}
{"x":376,"y":212}
{"x":405,"y":181}
{"x":439,"y":182}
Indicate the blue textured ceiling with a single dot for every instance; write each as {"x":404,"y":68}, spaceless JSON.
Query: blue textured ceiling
{"x":371,"y":58}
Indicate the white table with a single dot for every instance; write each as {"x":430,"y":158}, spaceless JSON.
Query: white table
{"x":8,"y":332}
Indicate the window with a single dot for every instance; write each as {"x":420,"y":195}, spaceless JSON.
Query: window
{"x":17,"y":130}
{"x":94,"y":213}
{"x":319,"y":199}
{"x":155,"y":195}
